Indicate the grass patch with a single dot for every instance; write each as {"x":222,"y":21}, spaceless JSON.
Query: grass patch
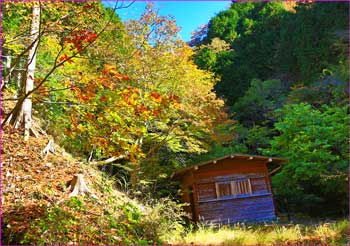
{"x":334,"y":233}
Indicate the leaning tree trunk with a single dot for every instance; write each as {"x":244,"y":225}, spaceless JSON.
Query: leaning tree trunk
{"x":23,"y":113}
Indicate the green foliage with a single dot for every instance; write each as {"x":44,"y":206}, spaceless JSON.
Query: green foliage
{"x":315,"y":142}
{"x":329,"y":90}
{"x":15,"y":18}
{"x":282,"y":55}
{"x":228,"y":138}
{"x":164,"y":222}
{"x":228,"y":25}
{"x":252,"y":32}
{"x":261,"y":98}
{"x":124,"y":223}
{"x":270,"y":42}
{"x":56,"y":224}
{"x":308,"y":42}
{"x":258,"y":138}
{"x":208,"y":56}
{"x":206,"y":59}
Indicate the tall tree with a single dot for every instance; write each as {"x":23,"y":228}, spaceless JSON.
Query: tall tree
{"x":75,"y":35}
{"x":144,"y":103}
{"x":29,"y":84}
{"x":315,"y":142}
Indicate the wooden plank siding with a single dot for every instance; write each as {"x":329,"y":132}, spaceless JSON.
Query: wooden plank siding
{"x":260,"y":186}
{"x":207,"y":188}
{"x":238,"y":209}
{"x":206,"y":191}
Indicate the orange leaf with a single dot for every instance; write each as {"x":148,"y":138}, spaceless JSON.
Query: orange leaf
{"x":156,"y":96}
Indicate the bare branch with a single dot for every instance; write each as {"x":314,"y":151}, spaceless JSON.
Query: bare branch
{"x":111,"y":159}
{"x":18,"y":58}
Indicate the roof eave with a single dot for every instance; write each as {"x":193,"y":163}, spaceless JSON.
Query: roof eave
{"x":276,"y":160}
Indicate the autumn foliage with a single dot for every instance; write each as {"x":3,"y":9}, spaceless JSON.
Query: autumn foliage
{"x":144,"y":103}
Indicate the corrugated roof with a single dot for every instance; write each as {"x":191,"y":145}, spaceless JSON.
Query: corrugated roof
{"x":272,"y":160}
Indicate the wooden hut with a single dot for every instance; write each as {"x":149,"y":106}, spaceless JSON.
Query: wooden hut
{"x":230,"y":189}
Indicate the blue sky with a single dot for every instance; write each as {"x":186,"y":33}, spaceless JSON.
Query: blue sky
{"x":188,"y":14}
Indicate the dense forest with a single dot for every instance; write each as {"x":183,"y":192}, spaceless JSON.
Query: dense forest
{"x":134,"y":102}
{"x":283,"y":73}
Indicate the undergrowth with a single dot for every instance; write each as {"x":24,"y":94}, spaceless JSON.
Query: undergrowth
{"x":37,"y":208}
{"x":335,"y":233}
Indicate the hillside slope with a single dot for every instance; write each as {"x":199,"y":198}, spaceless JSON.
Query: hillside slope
{"x":36,"y":206}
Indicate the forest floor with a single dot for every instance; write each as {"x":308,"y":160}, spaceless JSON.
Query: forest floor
{"x":37,"y":208}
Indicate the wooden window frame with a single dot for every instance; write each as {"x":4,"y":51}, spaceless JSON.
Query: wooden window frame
{"x":238,"y":187}
{"x":217,"y":189}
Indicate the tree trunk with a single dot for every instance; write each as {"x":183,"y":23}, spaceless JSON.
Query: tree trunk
{"x":6,"y":79}
{"x":29,"y":85}
{"x":78,"y":186}
{"x":23,"y":113}
{"x":16,"y":118}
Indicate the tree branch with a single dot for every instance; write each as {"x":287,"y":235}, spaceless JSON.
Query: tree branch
{"x":55,"y":66}
{"x":111,"y":159}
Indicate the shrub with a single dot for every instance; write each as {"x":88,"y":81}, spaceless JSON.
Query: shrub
{"x":163,"y":221}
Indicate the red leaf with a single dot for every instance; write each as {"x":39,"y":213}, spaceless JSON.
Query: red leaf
{"x":174,"y":98}
{"x":156,"y":96}
{"x":89,"y":116}
{"x":65,"y":58}
{"x":156,"y":112}
{"x":86,"y":7}
{"x":103,"y":98}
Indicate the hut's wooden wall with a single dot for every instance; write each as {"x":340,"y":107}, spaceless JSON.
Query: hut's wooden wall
{"x":239,"y":209}
{"x":249,"y":207}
